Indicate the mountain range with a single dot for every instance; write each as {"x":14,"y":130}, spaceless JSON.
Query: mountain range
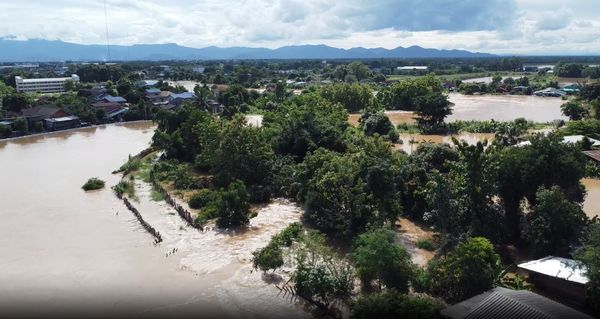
{"x":35,"y":50}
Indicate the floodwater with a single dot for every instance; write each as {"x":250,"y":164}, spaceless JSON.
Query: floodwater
{"x":591,"y":205}
{"x":505,"y":107}
{"x":410,"y":142}
{"x":486,"y":79}
{"x":489,"y":107}
{"x":68,"y":252}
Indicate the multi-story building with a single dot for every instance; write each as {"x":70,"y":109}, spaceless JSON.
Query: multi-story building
{"x":47,"y":85}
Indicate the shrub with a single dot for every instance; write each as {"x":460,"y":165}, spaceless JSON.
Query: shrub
{"x":469,"y":269}
{"x":124,"y":187}
{"x":93,"y":184}
{"x":392,"y":304}
{"x":202,"y":198}
{"x":425,"y":244}
{"x":267,"y":258}
{"x":232,"y":205}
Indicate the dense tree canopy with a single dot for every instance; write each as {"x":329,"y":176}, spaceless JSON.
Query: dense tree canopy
{"x":469,"y":269}
{"x":377,"y":257}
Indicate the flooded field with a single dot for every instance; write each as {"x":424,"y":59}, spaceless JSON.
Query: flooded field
{"x":489,"y":107}
{"x":66,"y":252}
{"x":505,"y":107}
{"x":410,"y":142}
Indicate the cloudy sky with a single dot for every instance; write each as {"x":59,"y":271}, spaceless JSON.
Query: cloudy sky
{"x":495,"y":26}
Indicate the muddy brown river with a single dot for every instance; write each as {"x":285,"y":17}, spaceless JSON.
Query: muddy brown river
{"x":68,"y":252}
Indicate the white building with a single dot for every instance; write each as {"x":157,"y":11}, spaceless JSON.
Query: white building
{"x":47,"y":85}
{"x":413,"y":68}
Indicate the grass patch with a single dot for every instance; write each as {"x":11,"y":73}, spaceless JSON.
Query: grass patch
{"x":93,"y":184}
{"x":426,"y":244}
{"x":125,"y":187}
{"x":132,"y":164}
{"x":156,"y":195}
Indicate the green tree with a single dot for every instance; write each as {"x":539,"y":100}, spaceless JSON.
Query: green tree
{"x":391,"y":304}
{"x":522,"y":170}
{"x":20,"y":125}
{"x":589,"y":256}
{"x":268,"y":258}
{"x":432,"y":109}
{"x":233,"y":208}
{"x":320,"y":275}
{"x":359,"y":70}
{"x":377,"y":257}
{"x":379,"y":123}
{"x":574,"y":110}
{"x":554,"y":223}
{"x":468,"y":270}
{"x":69,"y":86}
{"x":246,"y":155}
{"x":353,"y":97}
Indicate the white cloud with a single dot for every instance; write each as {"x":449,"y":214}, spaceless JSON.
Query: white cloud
{"x":497,"y":26}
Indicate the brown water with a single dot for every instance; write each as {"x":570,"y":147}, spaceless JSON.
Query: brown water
{"x":505,"y":107}
{"x":410,"y":142}
{"x":65,"y":251}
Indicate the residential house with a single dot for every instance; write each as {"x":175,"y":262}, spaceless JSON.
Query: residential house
{"x":162,"y":98}
{"x":107,"y":98}
{"x":114,"y":111}
{"x":571,"y":88}
{"x":179,"y":98}
{"x":593,"y":155}
{"x":500,"y":303}
{"x":214,"y":106}
{"x":561,"y":277}
{"x":146,"y":83}
{"x":61,"y":123}
{"x":40,"y":113}
{"x":551,"y":92}
{"x":216,"y":89}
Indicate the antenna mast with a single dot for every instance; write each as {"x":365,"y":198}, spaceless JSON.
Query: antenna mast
{"x":107,"y":40}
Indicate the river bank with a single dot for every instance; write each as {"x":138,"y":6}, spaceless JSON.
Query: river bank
{"x":73,"y":130}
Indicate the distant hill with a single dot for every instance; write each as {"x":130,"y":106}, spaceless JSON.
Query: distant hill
{"x":45,"y":50}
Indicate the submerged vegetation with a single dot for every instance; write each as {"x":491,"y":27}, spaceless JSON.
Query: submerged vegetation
{"x":93,"y":184}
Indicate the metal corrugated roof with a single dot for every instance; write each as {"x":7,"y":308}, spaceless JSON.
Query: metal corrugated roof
{"x":562,"y":268}
{"x":593,"y":154}
{"x":500,"y":303}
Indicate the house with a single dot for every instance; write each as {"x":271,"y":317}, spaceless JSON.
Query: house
{"x":413,"y":68}
{"x":179,"y":98}
{"x":552,"y":92}
{"x":557,"y":276}
{"x":107,"y":98}
{"x":40,"y":113}
{"x":61,"y":123}
{"x":113,"y":111}
{"x":161,"y":98}
{"x":151,"y":91}
{"x":571,"y":88}
{"x":570,"y":139}
{"x":593,"y":155}
{"x":94,"y":94}
{"x":214,"y":106}
{"x":198,"y":69}
{"x":146,"y":83}
{"x":501,"y":303}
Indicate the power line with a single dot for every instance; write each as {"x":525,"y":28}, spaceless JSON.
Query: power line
{"x":107,"y":35}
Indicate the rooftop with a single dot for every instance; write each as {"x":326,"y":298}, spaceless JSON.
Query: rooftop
{"x":595,"y":155}
{"x":515,"y":304}
{"x":557,"y":267}
{"x":63,"y":119}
